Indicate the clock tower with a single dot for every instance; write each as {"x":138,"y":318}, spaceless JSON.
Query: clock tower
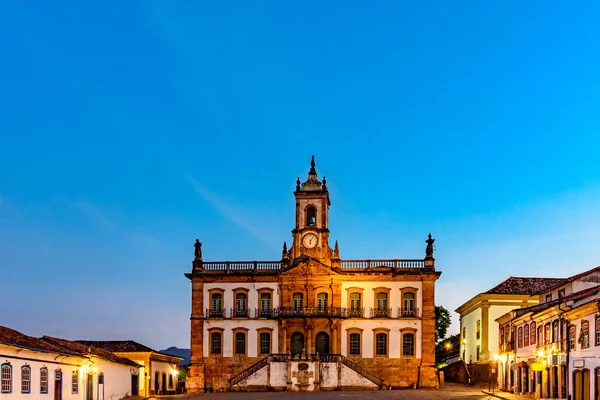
{"x":311,"y":234}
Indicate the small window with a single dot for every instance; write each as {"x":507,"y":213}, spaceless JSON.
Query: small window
{"x":265,"y":303}
{"x":526,"y":335}
{"x":354,"y":344}
{"x":464,"y":333}
{"x":75,"y":382}
{"x":478,"y":352}
{"x":6,"y":378}
{"x":597,"y":331}
{"x":382,"y":301}
{"x":170,"y":381}
{"x":311,"y":216}
{"x":297,"y":300}
{"x":547,"y":337}
{"x":532,"y":333}
{"x":572,"y":338}
{"x":25,"y":379}
{"x":584,"y":335}
{"x":520,"y":337}
{"x":215,"y":343}
{"x":265,"y":343}
{"x":355,"y":305}
{"x":322,"y":302}
{"x":408,"y":344}
{"x":555,"y":331}
{"x":240,"y":343}
{"x":502,"y":335}
{"x":101,"y":378}
{"x":409,"y":304}
{"x":43,"y":380}
{"x":381,"y":344}
{"x":478,"y":332}
{"x":540,"y":335}
{"x":217,"y":304}
{"x":240,"y":305}
{"x":548,"y":297}
{"x":561,"y":293}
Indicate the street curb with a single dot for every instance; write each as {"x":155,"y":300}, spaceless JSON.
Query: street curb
{"x":494,"y":395}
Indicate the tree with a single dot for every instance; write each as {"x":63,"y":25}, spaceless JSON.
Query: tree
{"x":442,"y":322}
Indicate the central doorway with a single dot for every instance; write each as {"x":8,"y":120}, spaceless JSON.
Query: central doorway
{"x":296,"y":343}
{"x":322,"y":342}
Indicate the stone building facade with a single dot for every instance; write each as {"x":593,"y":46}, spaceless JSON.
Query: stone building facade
{"x":312,"y":321}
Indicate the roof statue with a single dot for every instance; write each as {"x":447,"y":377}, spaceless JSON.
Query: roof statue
{"x":429,"y":249}
{"x":198,"y":249}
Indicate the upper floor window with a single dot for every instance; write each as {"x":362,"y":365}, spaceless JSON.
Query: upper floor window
{"x":265,"y":304}
{"x":409,"y":303}
{"x":533,"y":333}
{"x":478,"y":330}
{"x":322,"y":301}
{"x":561,"y":293}
{"x":548,"y":297}
{"x":240,"y":343}
{"x":502,"y":335}
{"x":354,"y":301}
{"x":584,"y":335}
{"x":572,"y":338}
{"x":478,"y":352}
{"x":75,"y":382}
{"x":6,"y":378}
{"x":547,"y":333}
{"x":506,"y":334}
{"x":526,"y":335}
{"x":520,"y":337}
{"x":597,"y":331}
{"x":297,"y":301}
{"x":381,"y":344}
{"x":464,"y":333}
{"x":216,"y":342}
{"x":311,"y":216}
{"x":240,"y":304}
{"x":43,"y":380}
{"x":555,"y":331}
{"x":408,"y":344}
{"x":217,"y":304}
{"x":25,"y":379}
{"x":540,"y":335}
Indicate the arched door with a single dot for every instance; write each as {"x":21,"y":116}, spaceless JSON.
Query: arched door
{"x":296,"y":343}
{"x":322,"y":343}
{"x":58,"y":384}
{"x":156,"y":378}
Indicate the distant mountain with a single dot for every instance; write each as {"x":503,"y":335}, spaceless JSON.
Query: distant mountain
{"x":176,"y":351}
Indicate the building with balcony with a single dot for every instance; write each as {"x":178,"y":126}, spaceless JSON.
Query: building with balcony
{"x":539,"y":355}
{"x":310,"y":320}
{"x":478,"y":329}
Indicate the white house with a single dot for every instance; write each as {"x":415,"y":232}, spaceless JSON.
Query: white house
{"x":58,"y":369}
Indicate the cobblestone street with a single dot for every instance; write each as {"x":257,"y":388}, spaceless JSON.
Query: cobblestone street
{"x":450,"y":391}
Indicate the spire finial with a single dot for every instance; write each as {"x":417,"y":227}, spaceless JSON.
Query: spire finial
{"x":324,"y":183}
{"x":336,"y":251}
{"x":298,"y":185}
{"x":284,"y":253}
{"x":312,"y":171}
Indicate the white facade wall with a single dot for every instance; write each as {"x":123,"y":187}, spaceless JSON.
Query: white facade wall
{"x":469,"y":341}
{"x":495,"y":312}
{"x":253,"y":288}
{"x":394,"y":335}
{"x":252,"y":337}
{"x":117,"y":377}
{"x":168,"y":369}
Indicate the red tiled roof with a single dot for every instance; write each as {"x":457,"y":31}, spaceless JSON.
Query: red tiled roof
{"x":83,"y":350}
{"x":573,"y":296}
{"x":516,"y":285}
{"x":14,"y":338}
{"x":124,"y":346}
{"x":572,"y":278}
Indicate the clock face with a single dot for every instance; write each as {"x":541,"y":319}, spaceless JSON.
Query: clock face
{"x":310,"y":240}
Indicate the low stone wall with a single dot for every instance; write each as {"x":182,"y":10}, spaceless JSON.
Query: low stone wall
{"x":218,"y":370}
{"x":459,"y":372}
{"x":399,"y":373}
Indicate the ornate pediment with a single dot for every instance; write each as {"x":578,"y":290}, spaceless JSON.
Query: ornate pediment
{"x":308,"y":266}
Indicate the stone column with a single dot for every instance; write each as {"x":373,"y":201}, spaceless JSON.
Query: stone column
{"x":195,"y":380}
{"x":485,"y":309}
{"x":283,"y":337}
{"x":309,"y":336}
{"x":334,"y":341}
{"x":428,"y":371}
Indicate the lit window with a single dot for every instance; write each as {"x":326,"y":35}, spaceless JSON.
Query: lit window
{"x":354,"y":344}
{"x":75,"y":382}
{"x":44,"y":380}
{"x":408,"y":344}
{"x":572,"y":338}
{"x":547,"y":338}
{"x":555,"y":331}
{"x":215,"y":342}
{"x":6,"y":378}
{"x":532,"y":333}
{"x":561,"y":293}
{"x":381,"y":344}
{"x":520,"y":337}
{"x":464,"y":333}
{"x":322,"y":302}
{"x":240,"y":343}
{"x":526,"y":335}
{"x":585,"y":335}
{"x":265,"y":343}
{"x":297,"y":301}
{"x":540,"y":335}
{"x":478,"y":330}
{"x":355,"y":306}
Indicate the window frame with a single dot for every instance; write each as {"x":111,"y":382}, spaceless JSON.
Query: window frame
{"x":586,"y":338}
{"x":308,"y":215}
{"x":318,"y":299}
{"x":525,"y":335}
{"x":519,"y":337}
{"x":259,"y":332}
{"x":261,"y":310}
{"x":354,"y":331}
{"x":26,"y":379}
{"x":216,"y":313}
{"x":237,"y":311}
{"x":381,"y":331}
{"x":212,"y":331}
{"x":349,"y":292}
{"x":478,"y":330}
{"x":42,"y":371}
{"x":597,"y":327}
{"x":75,"y":382}
{"x":547,"y":333}
{"x":403,"y":309}
{"x":533,"y":333}
{"x":403,"y":333}
{"x":236,"y":332}
{"x":294,"y":305}
{"x":379,"y":310}
{"x":572,"y":337}
{"x":6,"y":366}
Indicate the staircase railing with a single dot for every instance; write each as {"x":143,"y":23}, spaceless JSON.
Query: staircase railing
{"x":247,"y":372}
{"x":361,"y":371}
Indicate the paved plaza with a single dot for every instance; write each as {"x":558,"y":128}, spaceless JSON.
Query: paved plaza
{"x":449,"y":391}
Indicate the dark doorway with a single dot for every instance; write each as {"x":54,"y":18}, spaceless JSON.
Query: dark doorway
{"x":156,"y":387}
{"x":57,"y":385}
{"x":89,"y":387}
{"x":296,"y":343}
{"x":164,"y":383}
{"x":322,"y":341}
{"x":134,"y":385}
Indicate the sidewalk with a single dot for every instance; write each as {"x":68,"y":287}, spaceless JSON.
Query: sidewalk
{"x":506,"y":395}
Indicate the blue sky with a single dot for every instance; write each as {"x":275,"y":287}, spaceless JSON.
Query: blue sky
{"x":131,"y":128}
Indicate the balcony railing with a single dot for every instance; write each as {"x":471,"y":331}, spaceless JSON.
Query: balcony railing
{"x":369,"y":264}
{"x":302,"y":312}
{"x":507,"y":346}
{"x":266,"y":266}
